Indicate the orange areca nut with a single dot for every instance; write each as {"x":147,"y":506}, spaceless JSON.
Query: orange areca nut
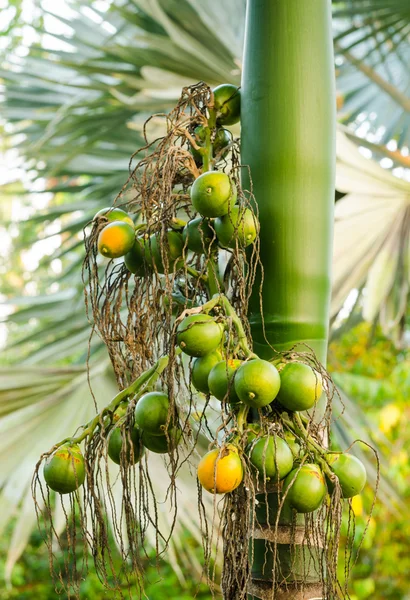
{"x":221,"y":470}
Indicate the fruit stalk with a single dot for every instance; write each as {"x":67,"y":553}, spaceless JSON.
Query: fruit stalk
{"x":212,"y":281}
{"x":241,"y":417}
{"x":207,"y":152}
{"x":315,"y":448}
{"x":145,"y":380}
{"x":207,"y":156}
{"x":242,"y":339}
{"x":288,"y":141}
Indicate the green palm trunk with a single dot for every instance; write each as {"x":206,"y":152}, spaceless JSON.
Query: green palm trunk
{"x":288,"y":141}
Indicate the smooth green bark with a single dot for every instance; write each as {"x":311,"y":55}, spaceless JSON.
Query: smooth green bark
{"x":288,"y":141}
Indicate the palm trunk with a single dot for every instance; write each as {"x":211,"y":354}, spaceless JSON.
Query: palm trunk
{"x":288,"y":141}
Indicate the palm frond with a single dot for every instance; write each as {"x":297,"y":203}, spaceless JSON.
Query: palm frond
{"x":372,"y":237}
{"x":372,"y":50}
{"x":35,"y":417}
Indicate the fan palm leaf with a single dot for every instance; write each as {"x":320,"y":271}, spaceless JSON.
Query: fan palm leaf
{"x":375,"y":203}
{"x":373,"y":75}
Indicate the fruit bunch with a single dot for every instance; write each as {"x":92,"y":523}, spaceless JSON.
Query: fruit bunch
{"x":189,"y":235}
{"x":271,"y":438}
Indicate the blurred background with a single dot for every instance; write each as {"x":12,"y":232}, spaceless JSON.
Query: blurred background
{"x":77,"y":82}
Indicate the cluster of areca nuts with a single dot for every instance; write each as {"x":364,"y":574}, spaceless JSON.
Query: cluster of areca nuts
{"x":244,"y":384}
{"x":213,"y":195}
{"x":222,"y":221}
{"x":258,"y":384}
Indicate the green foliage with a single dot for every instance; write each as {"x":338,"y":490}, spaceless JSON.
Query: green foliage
{"x":363,"y":352}
{"x":367,"y":366}
{"x":31,"y":576}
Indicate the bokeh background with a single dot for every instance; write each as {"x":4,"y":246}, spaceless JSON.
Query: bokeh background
{"x":77,"y":82}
